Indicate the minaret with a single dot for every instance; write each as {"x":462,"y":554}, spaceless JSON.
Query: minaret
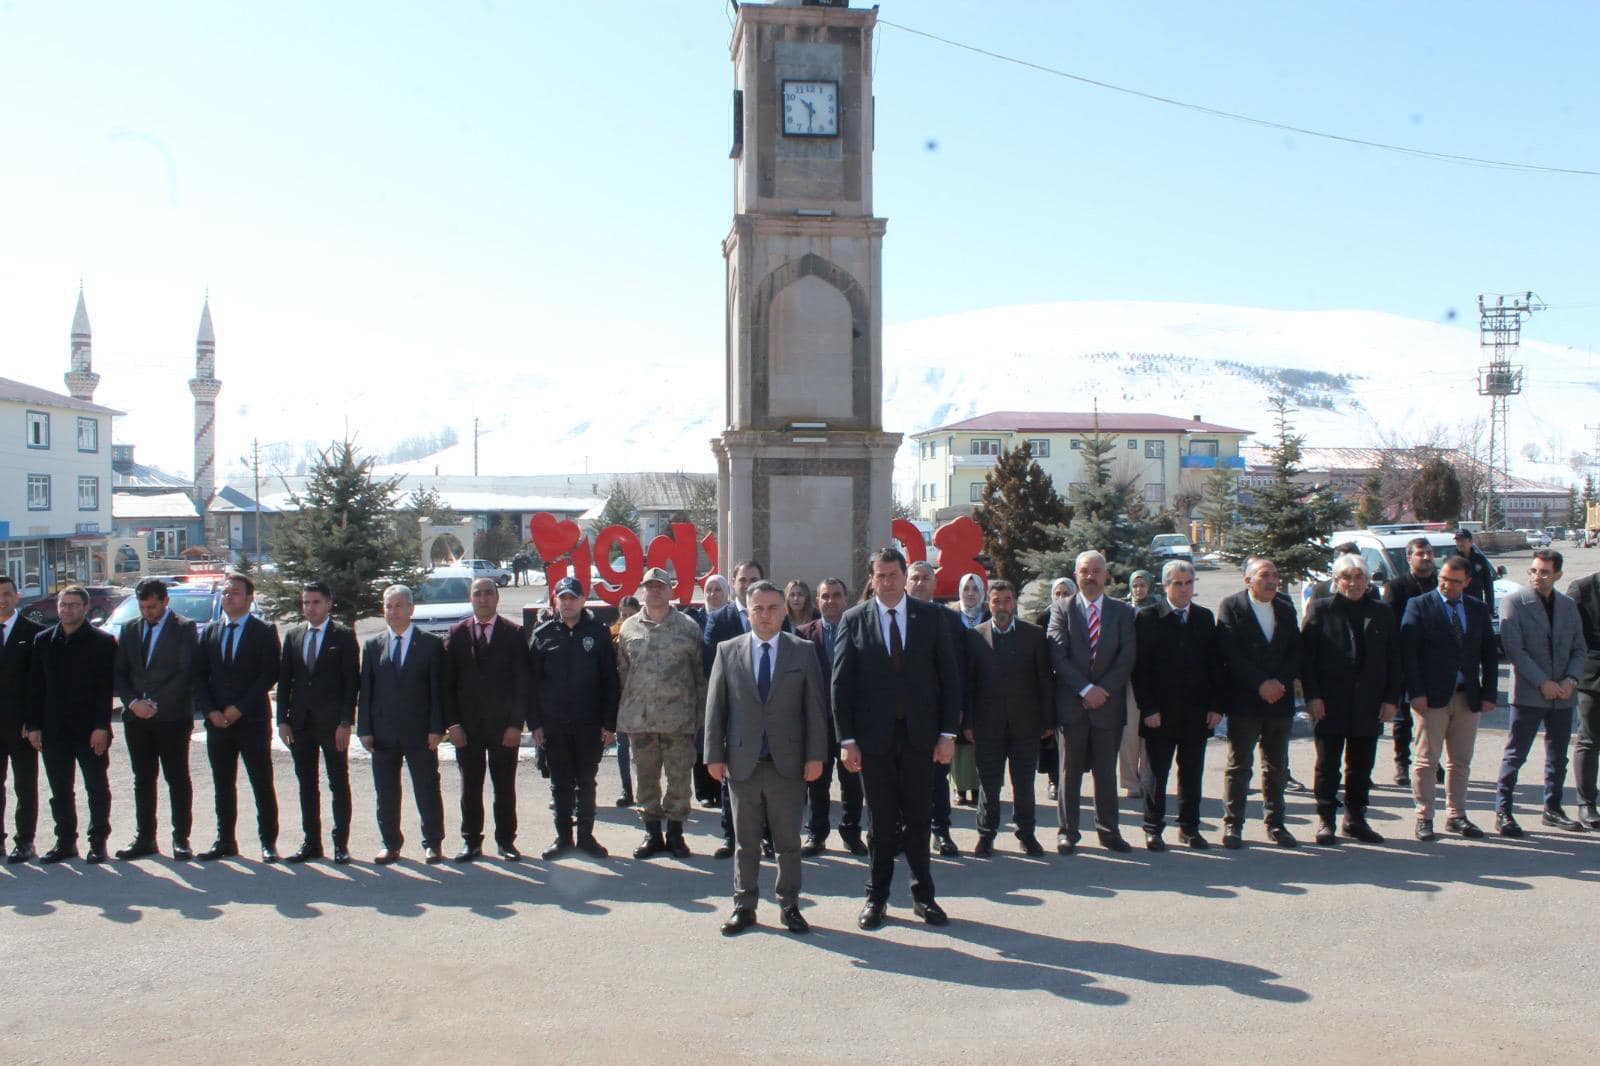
{"x":205,"y":387}
{"x":81,"y":379}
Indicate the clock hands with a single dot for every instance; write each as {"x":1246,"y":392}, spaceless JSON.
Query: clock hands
{"x":811,"y":113}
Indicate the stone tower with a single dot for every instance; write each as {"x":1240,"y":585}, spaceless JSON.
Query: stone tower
{"x":205,"y":387}
{"x":81,"y":379}
{"x":805,"y":470}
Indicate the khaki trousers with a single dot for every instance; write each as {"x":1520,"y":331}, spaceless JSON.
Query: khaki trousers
{"x":1453,"y":730}
{"x":1131,"y":760}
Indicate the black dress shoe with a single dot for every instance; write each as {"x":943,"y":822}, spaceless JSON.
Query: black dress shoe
{"x":947,"y":844}
{"x":1114,"y":842}
{"x":985,"y":846}
{"x":59,"y":853}
{"x":20,"y":853}
{"x":1402,"y":776}
{"x":854,"y":843}
{"x":219,"y":850}
{"x":1065,"y":844}
{"x":871,"y":916}
{"x":509,"y":852}
{"x":1588,"y":814}
{"x":931,"y":913}
{"x":1193,"y":840}
{"x":269,"y":853}
{"x":624,"y":801}
{"x":1326,"y":834}
{"x":468,"y":853}
{"x":561,"y":846}
{"x":1030,"y":843}
{"x":1425,"y":831}
{"x":592,"y":847}
{"x":306,"y":853}
{"x":1465,"y":827}
{"x":95,"y":855}
{"x":138,"y":850}
{"x":1556,"y":818}
{"x":794,"y":921}
{"x":1362,"y":831}
{"x":181,"y":852}
{"x":1282,"y":837}
{"x":386,"y":858}
{"x":341,"y":856}
{"x":741,"y":919}
{"x":724,"y":850}
{"x":432,"y":856}
{"x":1292,"y":785}
{"x":1153,"y":841}
{"x":1507,"y":826}
{"x":811,"y":848}
{"x":767,"y":851}
{"x":1231,"y":838}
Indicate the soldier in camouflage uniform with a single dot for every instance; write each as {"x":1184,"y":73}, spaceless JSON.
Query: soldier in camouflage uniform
{"x":663,"y":705}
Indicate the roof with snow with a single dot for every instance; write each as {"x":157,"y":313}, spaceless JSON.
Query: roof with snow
{"x":18,"y":392}
{"x":128,"y":505}
{"x":1082,"y":422}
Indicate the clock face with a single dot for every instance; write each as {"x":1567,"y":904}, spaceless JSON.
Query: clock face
{"x":811,"y":108}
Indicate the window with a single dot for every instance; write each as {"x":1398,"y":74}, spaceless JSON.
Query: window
{"x":88,"y":494}
{"x":1039,"y":448}
{"x":1133,"y":445}
{"x":1155,"y":494}
{"x":1203,"y":447}
{"x":88,"y":435}
{"x":977,"y":491}
{"x":1076,"y":444}
{"x":38,"y":430}
{"x":984,"y":446}
{"x":38,"y":492}
{"x":1155,"y":449}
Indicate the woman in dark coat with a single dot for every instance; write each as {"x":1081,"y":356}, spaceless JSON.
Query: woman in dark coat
{"x":1351,"y":673}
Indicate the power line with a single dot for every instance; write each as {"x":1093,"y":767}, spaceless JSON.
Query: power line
{"x":1423,"y":153}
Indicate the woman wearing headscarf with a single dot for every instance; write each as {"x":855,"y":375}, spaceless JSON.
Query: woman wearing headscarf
{"x":973,"y":610}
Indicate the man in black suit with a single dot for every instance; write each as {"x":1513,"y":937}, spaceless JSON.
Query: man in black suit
{"x":155,"y":681}
{"x":896,"y":709}
{"x":1011,"y":701}
{"x":1585,"y":592}
{"x":71,"y":678}
{"x":823,"y":633}
{"x":318,"y":679}
{"x":236,"y":668}
{"x":1178,"y":683}
{"x":400,"y":718}
{"x":16,"y":754}
{"x":485,"y":689}
{"x":1260,"y":641}
{"x":1420,"y":578}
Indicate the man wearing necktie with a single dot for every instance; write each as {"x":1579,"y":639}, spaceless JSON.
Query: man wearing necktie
{"x":236,"y":668}
{"x":318,"y":678}
{"x":400,"y":719}
{"x":765,"y":733}
{"x":155,"y":669}
{"x":823,"y":633}
{"x":16,"y":754}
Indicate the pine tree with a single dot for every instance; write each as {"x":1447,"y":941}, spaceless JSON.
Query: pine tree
{"x":499,"y":542}
{"x":620,"y":510}
{"x":1436,"y":492}
{"x":343,"y":531}
{"x":1370,"y":512}
{"x":1220,"y":503}
{"x":427,"y":503}
{"x":1019,"y":502}
{"x":1284,"y":521}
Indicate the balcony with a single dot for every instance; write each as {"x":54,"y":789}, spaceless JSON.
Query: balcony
{"x":1211,"y":462}
{"x":958,"y":462}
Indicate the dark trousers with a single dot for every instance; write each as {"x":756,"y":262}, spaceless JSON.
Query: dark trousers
{"x":307,"y":751}
{"x":1245,"y":734}
{"x":63,"y":757}
{"x":160,"y":749}
{"x":225,"y":748}
{"x":1093,"y":749}
{"x":819,"y":797}
{"x":1402,"y":737}
{"x":994,"y":755}
{"x":624,"y":771}
{"x":423,"y":763}
{"x":1585,"y":751}
{"x":574,"y":753}
{"x":19,"y":757}
{"x":899,"y":791}
{"x":939,"y":811}
{"x":1191,"y":755}
{"x":1359,"y":753}
{"x":1525,"y":723}
{"x":501,"y":765}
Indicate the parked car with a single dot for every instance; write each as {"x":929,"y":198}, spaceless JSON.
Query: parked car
{"x":1172,"y":546}
{"x":484,"y":568}
{"x":198,"y":601}
{"x":103,"y":599}
{"x":1536,"y":538}
{"x":443,"y":598}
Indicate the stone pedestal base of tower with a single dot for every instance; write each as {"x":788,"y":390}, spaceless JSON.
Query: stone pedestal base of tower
{"x":804,"y":510}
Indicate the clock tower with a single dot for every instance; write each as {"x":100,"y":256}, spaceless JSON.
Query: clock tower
{"x":804,"y":469}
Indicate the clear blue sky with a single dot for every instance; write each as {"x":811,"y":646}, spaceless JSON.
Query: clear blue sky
{"x":374,"y":192}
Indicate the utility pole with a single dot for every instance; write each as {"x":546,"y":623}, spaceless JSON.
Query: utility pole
{"x":255,"y":465}
{"x":474,"y":446}
{"x":1500,"y":336}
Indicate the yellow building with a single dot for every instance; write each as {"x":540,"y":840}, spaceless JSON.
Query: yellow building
{"x":1171,"y":457}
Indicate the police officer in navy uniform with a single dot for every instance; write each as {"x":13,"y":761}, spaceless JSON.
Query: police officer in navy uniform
{"x":573,"y":712}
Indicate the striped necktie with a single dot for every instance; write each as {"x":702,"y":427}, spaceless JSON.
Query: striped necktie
{"x":1094,"y":630}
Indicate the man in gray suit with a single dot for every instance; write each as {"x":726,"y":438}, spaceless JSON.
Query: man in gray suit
{"x":400,"y":717}
{"x":1091,"y":648}
{"x":767,"y":735}
{"x":1543,"y":637}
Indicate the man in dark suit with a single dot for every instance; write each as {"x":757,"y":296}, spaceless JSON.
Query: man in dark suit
{"x":1011,"y":703}
{"x":318,"y":679}
{"x":236,"y":668}
{"x":921,"y":578}
{"x":1421,"y":578}
{"x":1259,"y":637}
{"x":1585,"y":593}
{"x":485,"y":706}
{"x":16,"y":754}
{"x":766,"y":734}
{"x":71,"y":678}
{"x":1542,"y":634}
{"x":896,"y":709}
{"x":1177,"y":680}
{"x":823,"y":633}
{"x":1092,"y":651}
{"x":1452,"y":676}
{"x":155,"y":681}
{"x":400,"y":718}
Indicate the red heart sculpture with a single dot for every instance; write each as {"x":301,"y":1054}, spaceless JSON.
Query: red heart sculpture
{"x":554,"y":538}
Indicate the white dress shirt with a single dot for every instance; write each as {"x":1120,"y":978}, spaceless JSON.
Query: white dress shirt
{"x":1266,"y":615}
